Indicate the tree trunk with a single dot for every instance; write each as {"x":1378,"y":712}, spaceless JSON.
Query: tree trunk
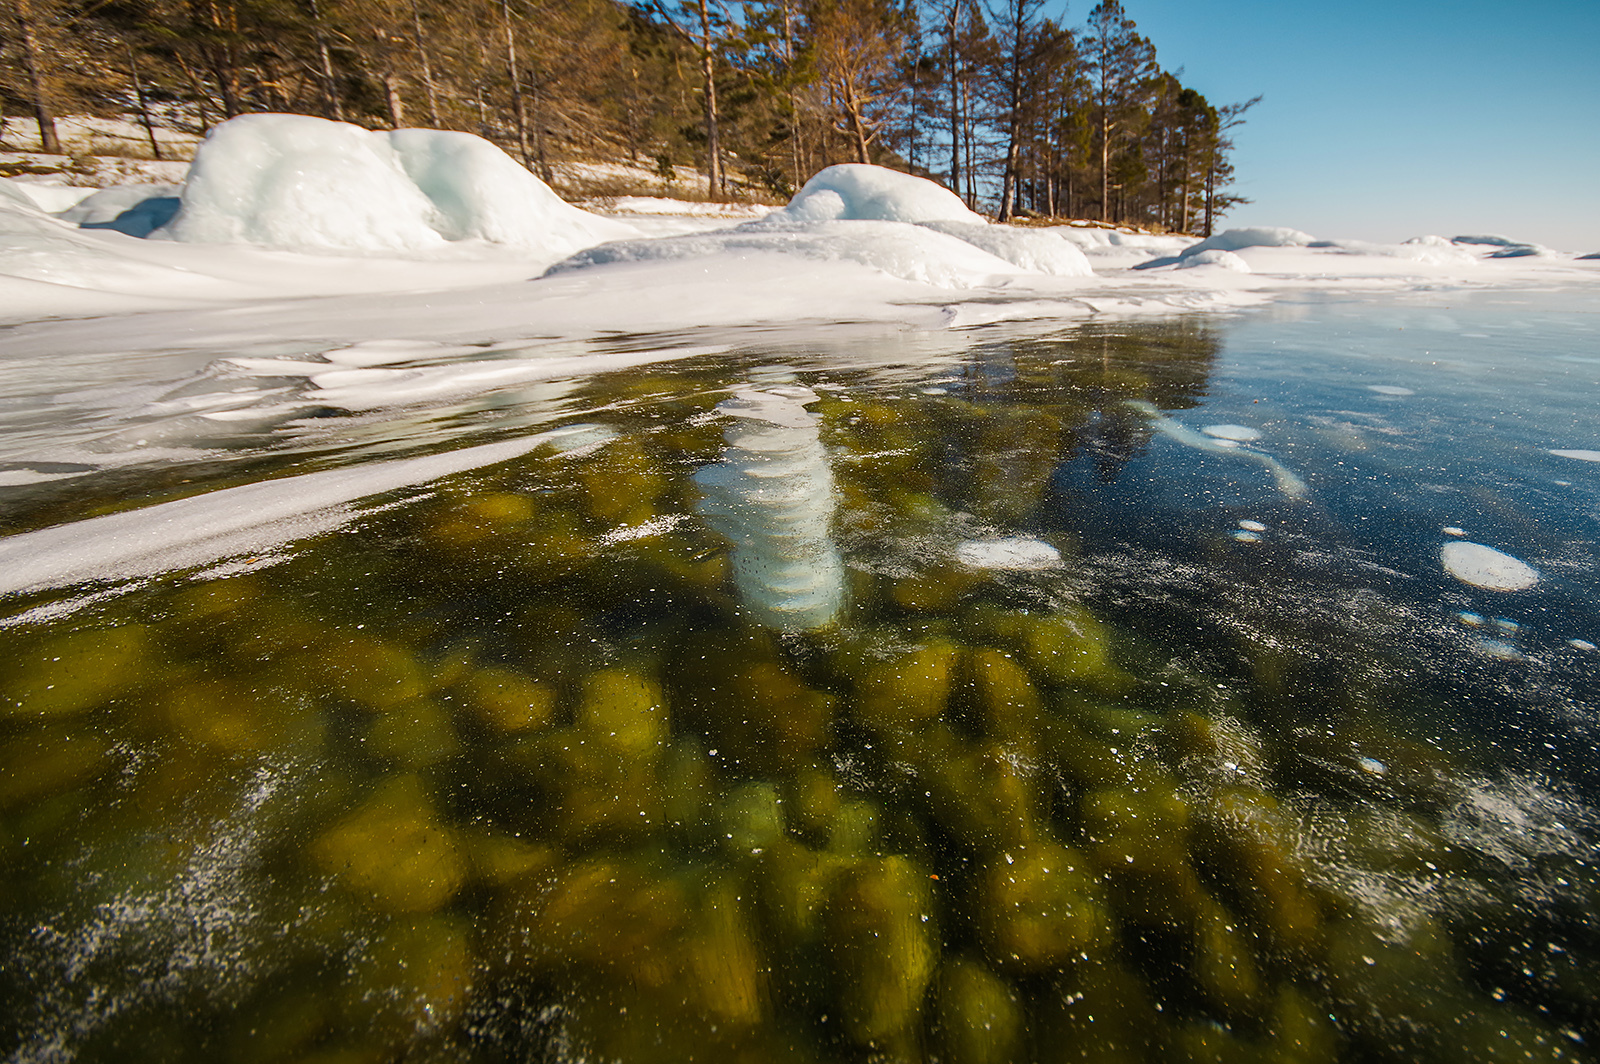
{"x":518,"y":111}
{"x":714,"y":181}
{"x":391,"y":96}
{"x":144,"y":107}
{"x":955,"y":99}
{"x":332,"y":106}
{"x":427,"y":66}
{"x":49,"y":143}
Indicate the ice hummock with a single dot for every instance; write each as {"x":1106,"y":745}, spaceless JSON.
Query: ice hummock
{"x":306,"y":184}
{"x":772,"y":496}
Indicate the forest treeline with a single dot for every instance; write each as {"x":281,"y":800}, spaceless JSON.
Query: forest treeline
{"x":1014,"y":110}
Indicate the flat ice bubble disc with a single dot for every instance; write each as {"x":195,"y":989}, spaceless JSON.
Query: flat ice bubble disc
{"x":1236,"y":433}
{"x":1485,"y":567}
{"x":1580,"y":455}
{"x":1014,"y":553}
{"x":1390,"y":389}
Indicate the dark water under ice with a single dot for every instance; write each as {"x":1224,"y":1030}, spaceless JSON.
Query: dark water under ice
{"x":498,"y":765}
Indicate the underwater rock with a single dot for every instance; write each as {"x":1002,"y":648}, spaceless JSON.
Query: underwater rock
{"x":879,"y":926}
{"x":772,"y":496}
{"x":394,"y":851}
{"x":1038,"y":907}
{"x":415,"y":734}
{"x":508,"y":702}
{"x":70,"y":674}
{"x":1066,"y":646}
{"x":411,"y":981}
{"x":909,"y":692}
{"x":624,"y":709}
{"x":1399,"y":990}
{"x":979,"y":1015}
{"x":373,"y":672}
{"x":36,"y":766}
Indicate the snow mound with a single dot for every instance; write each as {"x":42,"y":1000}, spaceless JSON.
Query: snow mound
{"x":858,"y":192}
{"x":1258,"y":237}
{"x":1094,"y":239}
{"x":137,"y":210}
{"x":909,"y":252}
{"x":1225,"y":260}
{"x":1039,"y":250}
{"x":303,"y":184}
{"x":307,"y":184}
{"x":481,"y":193}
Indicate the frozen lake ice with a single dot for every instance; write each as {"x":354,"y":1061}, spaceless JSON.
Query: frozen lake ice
{"x":402,"y":700}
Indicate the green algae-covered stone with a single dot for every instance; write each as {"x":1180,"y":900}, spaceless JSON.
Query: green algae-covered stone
{"x":1009,"y":704}
{"x":1399,"y":989}
{"x":508,"y":702}
{"x":412,"y":979}
{"x":227,"y":717}
{"x":610,"y":913}
{"x":1097,"y":1012}
{"x":1302,"y":1031}
{"x":723,"y":972}
{"x":497,"y":858}
{"x":622,"y":484}
{"x":1138,"y":839}
{"x":68,"y":674}
{"x":979,"y":1016}
{"x":1224,"y":964}
{"x":909,"y":692}
{"x":880,"y":937}
{"x":750,"y":817}
{"x":1038,"y":907}
{"x":1069,"y":646}
{"x":393,"y":850}
{"x":471,"y":522}
{"x":811,"y":801}
{"x":45,"y":763}
{"x":983,"y":794}
{"x":1247,"y":843}
{"x":414,"y":734}
{"x":375,"y":673}
{"x":626,"y":709}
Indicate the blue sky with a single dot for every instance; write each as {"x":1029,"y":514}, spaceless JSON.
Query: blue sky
{"x":1382,"y":121}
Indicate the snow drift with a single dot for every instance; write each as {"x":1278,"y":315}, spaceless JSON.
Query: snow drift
{"x":901,"y":225}
{"x":307,"y":184}
{"x":1257,"y":237}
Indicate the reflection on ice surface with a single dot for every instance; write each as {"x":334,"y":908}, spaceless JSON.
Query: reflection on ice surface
{"x":772,"y":495}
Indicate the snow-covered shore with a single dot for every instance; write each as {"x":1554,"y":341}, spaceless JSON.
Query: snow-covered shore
{"x":338,"y":236}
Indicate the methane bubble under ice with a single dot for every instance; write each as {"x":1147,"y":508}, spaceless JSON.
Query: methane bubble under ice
{"x":1485,"y":567}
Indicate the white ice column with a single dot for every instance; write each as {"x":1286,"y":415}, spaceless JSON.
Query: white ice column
{"x":772,"y":496}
